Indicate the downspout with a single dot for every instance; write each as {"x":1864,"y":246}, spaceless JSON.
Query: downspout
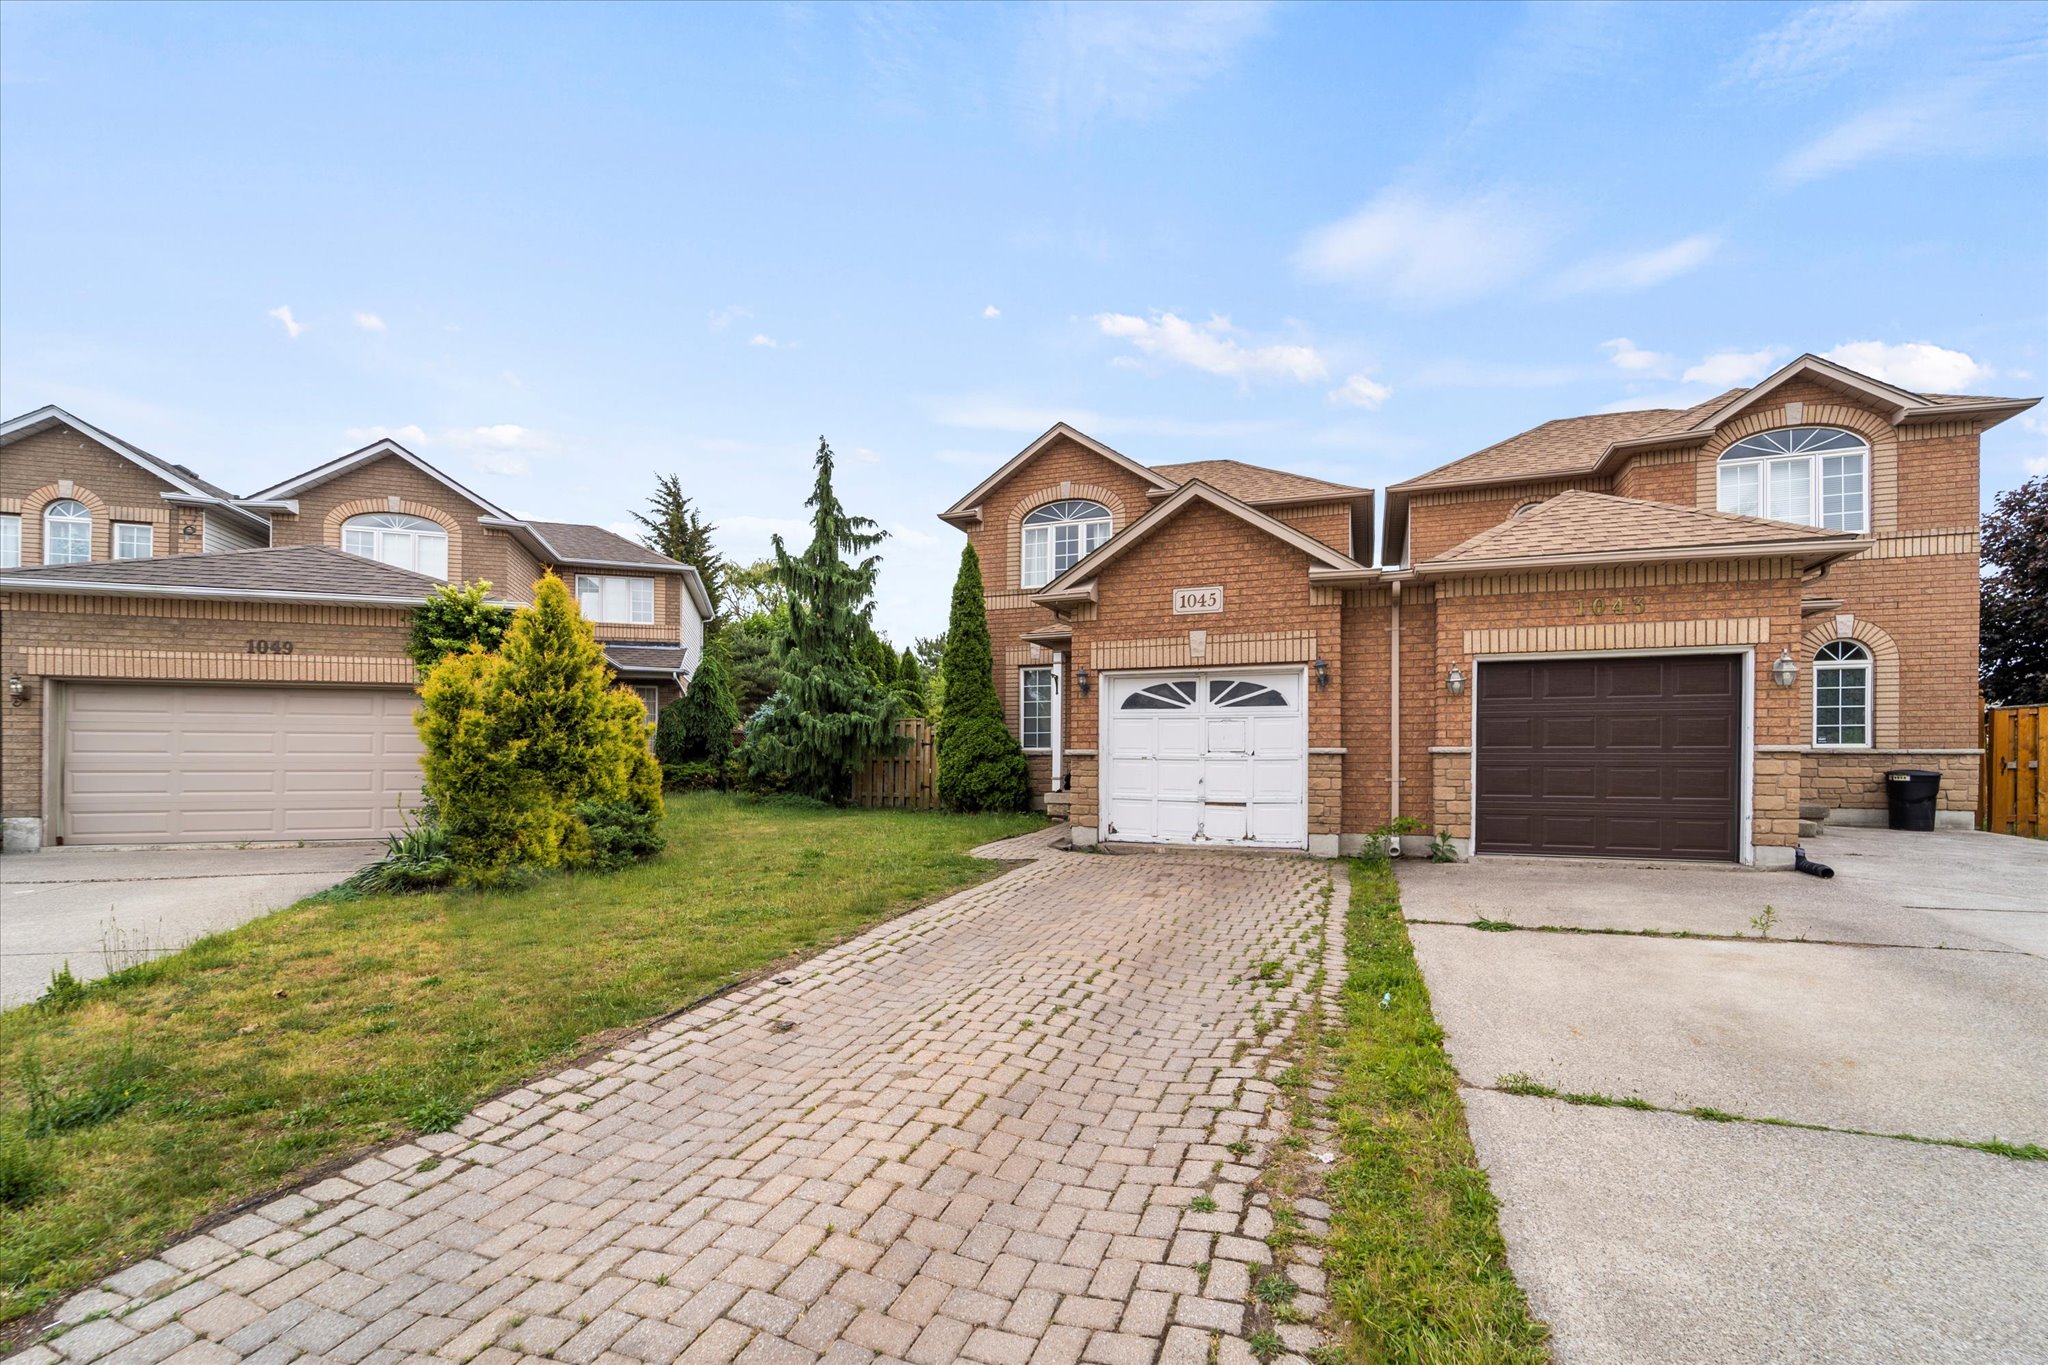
{"x":1394,"y":715}
{"x":1059,"y":715}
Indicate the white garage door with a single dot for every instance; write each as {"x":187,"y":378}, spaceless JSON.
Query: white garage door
{"x":1206,"y":758}
{"x":157,"y":764}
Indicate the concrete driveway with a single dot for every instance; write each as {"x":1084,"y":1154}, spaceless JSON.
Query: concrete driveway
{"x":101,"y":909}
{"x":1909,"y":995}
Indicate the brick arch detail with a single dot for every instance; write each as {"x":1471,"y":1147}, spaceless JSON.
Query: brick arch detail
{"x":32,"y":521}
{"x":1884,"y":673}
{"x":330,"y":533}
{"x":1013,"y":537}
{"x":1881,"y":435}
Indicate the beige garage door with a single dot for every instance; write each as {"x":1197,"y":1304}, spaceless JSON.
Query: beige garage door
{"x":150,"y":764}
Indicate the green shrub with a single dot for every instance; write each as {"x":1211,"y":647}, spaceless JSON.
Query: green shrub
{"x":692,"y":777}
{"x":516,"y":740}
{"x":452,"y":620}
{"x":983,"y":768}
{"x":619,"y":832}
{"x":417,"y":860}
{"x":64,"y":992}
{"x":699,"y":727}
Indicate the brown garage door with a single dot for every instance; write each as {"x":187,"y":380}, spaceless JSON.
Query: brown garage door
{"x":147,"y":764}
{"x":1610,"y":758}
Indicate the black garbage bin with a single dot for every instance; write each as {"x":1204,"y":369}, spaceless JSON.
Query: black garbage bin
{"x":1910,"y":793}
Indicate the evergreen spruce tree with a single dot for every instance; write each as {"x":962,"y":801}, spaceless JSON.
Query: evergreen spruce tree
{"x":981,"y":765}
{"x":909,"y":683}
{"x":829,"y":716}
{"x":698,"y":728}
{"x":671,"y":526}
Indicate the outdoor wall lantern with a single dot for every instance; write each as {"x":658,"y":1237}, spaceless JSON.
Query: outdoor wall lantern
{"x":1322,"y":667}
{"x":1455,"y":684}
{"x":17,"y":691}
{"x":1081,"y":680}
{"x":1785,"y":671}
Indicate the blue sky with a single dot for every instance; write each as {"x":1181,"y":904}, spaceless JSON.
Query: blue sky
{"x":558,"y":250}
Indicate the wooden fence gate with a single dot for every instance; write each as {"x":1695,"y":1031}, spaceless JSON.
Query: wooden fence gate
{"x":910,"y":781}
{"x":2013,"y":795}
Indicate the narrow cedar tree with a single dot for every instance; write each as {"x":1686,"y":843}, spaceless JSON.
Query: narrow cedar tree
{"x":909,"y":683}
{"x":672,"y":527}
{"x":981,"y":765}
{"x":698,"y":728}
{"x":830,"y":716}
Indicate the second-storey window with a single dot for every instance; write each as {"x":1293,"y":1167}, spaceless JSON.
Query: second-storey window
{"x":1035,"y":714}
{"x":10,"y":540}
{"x":1816,"y":476}
{"x":67,"y":532}
{"x":1057,"y":535}
{"x":607,"y":597}
{"x":395,"y":538}
{"x":134,"y":540}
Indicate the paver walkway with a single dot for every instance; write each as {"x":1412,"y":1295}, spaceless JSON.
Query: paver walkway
{"x":973,"y":1133}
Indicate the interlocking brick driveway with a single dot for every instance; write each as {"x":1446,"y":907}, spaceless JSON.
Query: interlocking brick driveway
{"x":972,"y":1133}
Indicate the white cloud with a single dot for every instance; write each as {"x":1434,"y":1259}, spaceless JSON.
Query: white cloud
{"x":991,"y":312}
{"x":2036,"y":464}
{"x":763,"y":339}
{"x":498,"y":448}
{"x":1081,"y":62}
{"x":370,"y":322}
{"x":1641,"y":269}
{"x":1726,"y":369}
{"x":1424,"y":252}
{"x":1819,"y":41}
{"x":292,"y":326}
{"x":866,"y":456}
{"x":1212,"y":347}
{"x":721,"y":318}
{"x":499,"y":436}
{"x":1624,"y":354}
{"x":1913,"y":365}
{"x":1361,"y":391}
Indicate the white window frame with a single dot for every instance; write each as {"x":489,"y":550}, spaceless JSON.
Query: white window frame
{"x":1859,"y":663}
{"x":400,"y":539}
{"x":615,"y":599}
{"x":124,"y":537}
{"x":1055,"y":544}
{"x":10,"y":540}
{"x":1024,"y":700}
{"x":1768,"y":475}
{"x":58,"y":514}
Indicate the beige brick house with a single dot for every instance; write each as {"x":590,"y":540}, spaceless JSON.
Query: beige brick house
{"x":185,"y":665}
{"x":1649,"y":634}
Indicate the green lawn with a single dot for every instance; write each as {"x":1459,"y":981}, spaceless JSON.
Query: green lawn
{"x":1417,"y":1268}
{"x":188,"y":1084}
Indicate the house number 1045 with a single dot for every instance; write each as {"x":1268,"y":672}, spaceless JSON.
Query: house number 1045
{"x":266,"y":646}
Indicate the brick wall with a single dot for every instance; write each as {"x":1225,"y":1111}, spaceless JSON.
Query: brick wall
{"x":371,"y":487}
{"x":1849,"y":779}
{"x":1441,"y":520}
{"x":33,"y":471}
{"x":45,"y":636}
{"x":1328,"y":522}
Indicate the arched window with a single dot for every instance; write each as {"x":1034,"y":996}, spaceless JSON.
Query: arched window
{"x":1841,"y":694}
{"x":1816,"y":476}
{"x":395,"y":538}
{"x":67,"y":532}
{"x":1057,"y":535}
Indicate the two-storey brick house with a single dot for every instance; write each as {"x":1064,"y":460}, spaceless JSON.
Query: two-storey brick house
{"x":1647,"y":634}
{"x":186,"y":665}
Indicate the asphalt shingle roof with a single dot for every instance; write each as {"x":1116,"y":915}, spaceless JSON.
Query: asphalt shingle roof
{"x":1577,"y":522}
{"x":1255,"y":483}
{"x":316,"y":570}
{"x":645,"y":658}
{"x":576,"y":541}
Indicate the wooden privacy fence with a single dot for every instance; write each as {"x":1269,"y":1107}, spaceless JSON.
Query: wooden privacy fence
{"x":910,"y":781}
{"x":2013,"y":796}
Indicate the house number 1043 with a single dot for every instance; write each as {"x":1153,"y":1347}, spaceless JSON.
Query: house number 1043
{"x":266,"y":646}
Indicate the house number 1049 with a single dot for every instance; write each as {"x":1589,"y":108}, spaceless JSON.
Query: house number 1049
{"x":266,"y":646}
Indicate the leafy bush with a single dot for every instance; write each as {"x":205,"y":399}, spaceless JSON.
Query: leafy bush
{"x":64,"y":992}
{"x":619,"y":832}
{"x":699,"y":728}
{"x":417,"y":860}
{"x":517,"y":739}
{"x":983,"y":768}
{"x":981,"y":765}
{"x":697,"y":777}
{"x":453,"y":619}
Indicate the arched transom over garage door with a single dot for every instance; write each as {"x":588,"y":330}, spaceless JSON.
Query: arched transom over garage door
{"x":1206,"y":758}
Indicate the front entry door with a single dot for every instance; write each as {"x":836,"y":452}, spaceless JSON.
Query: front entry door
{"x":1206,"y":758}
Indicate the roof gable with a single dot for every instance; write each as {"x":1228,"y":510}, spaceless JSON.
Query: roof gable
{"x":1591,"y":527}
{"x":1078,"y":582}
{"x":370,"y":454}
{"x":968,"y":509}
{"x":177,"y":476}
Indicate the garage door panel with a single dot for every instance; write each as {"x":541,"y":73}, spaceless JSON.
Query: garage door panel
{"x":1626,"y":757}
{"x":174,"y":763}
{"x":1214,"y":758}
